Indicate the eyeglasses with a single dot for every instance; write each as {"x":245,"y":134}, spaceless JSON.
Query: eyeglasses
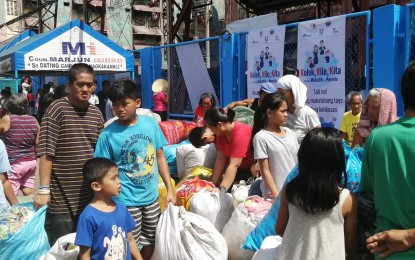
{"x":82,"y":84}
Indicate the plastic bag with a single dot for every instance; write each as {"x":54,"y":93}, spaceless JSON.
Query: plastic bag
{"x":269,"y":248}
{"x":201,"y":172}
{"x":245,"y":217}
{"x":163,"y":192}
{"x":64,"y":248}
{"x":244,"y":115}
{"x":214,"y":205}
{"x":30,"y":242}
{"x":186,"y":189}
{"x":182,"y":235}
{"x":239,"y":193}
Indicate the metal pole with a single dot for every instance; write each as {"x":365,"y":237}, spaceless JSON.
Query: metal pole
{"x":207,"y":36}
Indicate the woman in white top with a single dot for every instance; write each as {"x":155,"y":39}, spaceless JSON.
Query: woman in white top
{"x":301,"y":118}
{"x":275,"y":147}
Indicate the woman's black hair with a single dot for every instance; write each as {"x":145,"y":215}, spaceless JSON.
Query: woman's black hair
{"x":321,"y":164}
{"x":207,"y":95}
{"x":271,"y":101}
{"x":215,"y":115}
{"x":61,"y":91}
{"x":290,"y":71}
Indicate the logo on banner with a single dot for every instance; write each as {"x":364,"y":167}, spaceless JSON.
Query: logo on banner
{"x":79,"y":48}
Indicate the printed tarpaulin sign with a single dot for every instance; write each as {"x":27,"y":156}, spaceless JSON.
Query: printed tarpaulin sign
{"x":320,"y":61}
{"x":265,"y":57}
{"x":74,"y":46}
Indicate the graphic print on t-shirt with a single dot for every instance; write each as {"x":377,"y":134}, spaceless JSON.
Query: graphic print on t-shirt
{"x":139,"y":156}
{"x":117,"y":245}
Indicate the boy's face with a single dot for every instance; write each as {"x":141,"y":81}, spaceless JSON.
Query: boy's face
{"x":125,"y":109}
{"x":208,"y":136}
{"x":110,"y":185}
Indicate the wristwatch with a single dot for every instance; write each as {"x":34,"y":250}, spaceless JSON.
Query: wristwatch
{"x":221,"y":188}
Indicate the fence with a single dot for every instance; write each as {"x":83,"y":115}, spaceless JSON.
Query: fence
{"x":225,"y":60}
{"x":179,"y":100}
{"x":411,"y":31}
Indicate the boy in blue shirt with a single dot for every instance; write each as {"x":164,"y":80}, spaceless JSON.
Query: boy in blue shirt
{"x":135,"y":144}
{"x":104,"y":227}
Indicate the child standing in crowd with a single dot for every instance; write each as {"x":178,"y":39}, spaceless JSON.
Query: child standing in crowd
{"x":317,"y":217}
{"x":160,"y":98}
{"x":135,"y":144}
{"x":19,"y":133}
{"x":206,"y":102}
{"x":275,"y":147}
{"x":104,"y":227}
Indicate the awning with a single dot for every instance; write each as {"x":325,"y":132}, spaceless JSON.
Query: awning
{"x":55,"y":51}
{"x":146,"y":8}
{"x":16,"y":39}
{"x":146,"y":30}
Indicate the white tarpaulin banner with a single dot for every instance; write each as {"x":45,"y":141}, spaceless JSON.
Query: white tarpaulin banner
{"x":74,"y":46}
{"x":320,"y":60}
{"x":265,"y":57}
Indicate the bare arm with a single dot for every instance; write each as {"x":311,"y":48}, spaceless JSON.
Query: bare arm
{"x":391,"y":241}
{"x":4,"y":124}
{"x":219,"y":168}
{"x":165,"y":175}
{"x":267,"y":177}
{"x":357,"y":139}
{"x":84,"y":253}
{"x":45,"y":171}
{"x":283,"y":215}
{"x":37,"y":136}
{"x":8,"y":189}
{"x":135,"y":253}
{"x":344,"y":136}
{"x":349,"y":211}
{"x":230,"y":173}
{"x":246,"y":102}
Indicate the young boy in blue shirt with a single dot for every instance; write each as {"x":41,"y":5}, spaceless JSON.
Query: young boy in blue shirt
{"x":135,"y":144}
{"x":104,"y":227}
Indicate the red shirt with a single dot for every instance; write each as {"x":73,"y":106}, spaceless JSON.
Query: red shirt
{"x":199,"y":115}
{"x":239,"y":145}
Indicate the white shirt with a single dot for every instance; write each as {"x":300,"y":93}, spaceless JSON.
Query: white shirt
{"x":281,"y":152}
{"x":108,"y":110}
{"x":302,"y":123}
{"x":93,"y":100}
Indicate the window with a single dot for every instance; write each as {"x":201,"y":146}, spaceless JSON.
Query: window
{"x":12,"y":7}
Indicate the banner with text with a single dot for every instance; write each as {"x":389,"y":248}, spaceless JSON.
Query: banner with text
{"x":72,"y":47}
{"x":320,"y":60}
{"x":265,"y":57}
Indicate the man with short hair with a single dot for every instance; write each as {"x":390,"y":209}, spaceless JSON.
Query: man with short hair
{"x":68,"y":135}
{"x":388,"y":171}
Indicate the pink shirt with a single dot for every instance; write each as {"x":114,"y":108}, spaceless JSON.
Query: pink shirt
{"x":160,"y":104}
{"x":239,"y":145}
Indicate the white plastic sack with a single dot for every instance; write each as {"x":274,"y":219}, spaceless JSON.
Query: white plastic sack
{"x":182,"y":235}
{"x":187,"y":157}
{"x":245,"y":217}
{"x":64,"y":248}
{"x":210,"y":158}
{"x":214,"y":205}
{"x":269,"y":248}
{"x":239,"y":193}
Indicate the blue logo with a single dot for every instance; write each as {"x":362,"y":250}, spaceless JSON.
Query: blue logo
{"x":79,"y":47}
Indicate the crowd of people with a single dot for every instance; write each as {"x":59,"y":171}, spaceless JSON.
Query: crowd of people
{"x":114,"y":209}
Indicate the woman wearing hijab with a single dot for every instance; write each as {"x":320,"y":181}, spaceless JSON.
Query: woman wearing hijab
{"x":379,"y":109}
{"x":301,"y":118}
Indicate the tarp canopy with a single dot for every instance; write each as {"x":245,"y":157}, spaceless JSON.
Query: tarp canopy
{"x":16,"y":39}
{"x":53,"y":53}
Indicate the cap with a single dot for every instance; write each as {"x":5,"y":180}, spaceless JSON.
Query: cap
{"x":267,"y":87}
{"x":159,"y":85}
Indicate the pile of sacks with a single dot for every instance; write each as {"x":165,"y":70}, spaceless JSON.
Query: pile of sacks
{"x":208,"y":224}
